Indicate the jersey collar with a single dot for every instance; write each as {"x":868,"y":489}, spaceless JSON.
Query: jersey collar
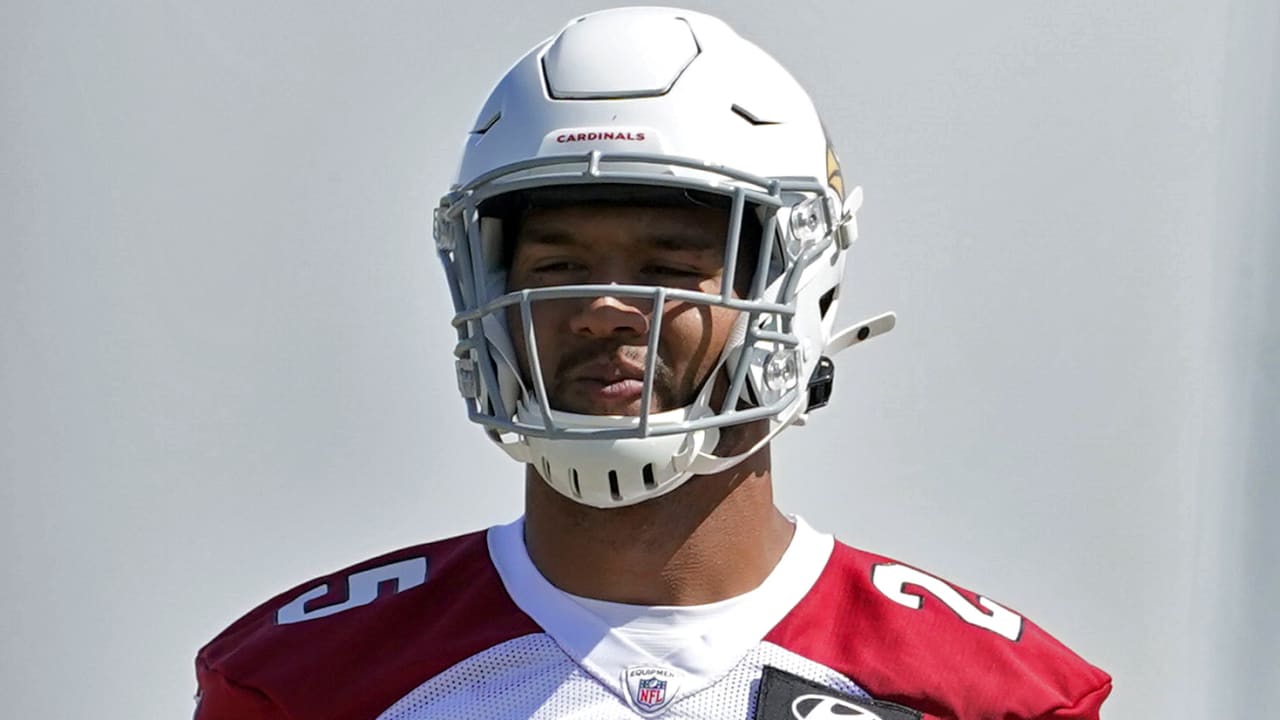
{"x":709,"y":640}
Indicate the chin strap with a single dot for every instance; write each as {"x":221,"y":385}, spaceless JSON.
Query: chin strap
{"x":705,"y":463}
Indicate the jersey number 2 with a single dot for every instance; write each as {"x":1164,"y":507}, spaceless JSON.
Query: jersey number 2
{"x":892,"y":579}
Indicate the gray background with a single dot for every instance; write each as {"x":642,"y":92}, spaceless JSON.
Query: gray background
{"x":224,"y":349}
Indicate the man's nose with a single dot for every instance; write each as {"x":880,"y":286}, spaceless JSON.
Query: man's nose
{"x":607,"y":316}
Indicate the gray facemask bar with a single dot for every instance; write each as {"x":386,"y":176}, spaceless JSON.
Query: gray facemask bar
{"x":457,"y":230}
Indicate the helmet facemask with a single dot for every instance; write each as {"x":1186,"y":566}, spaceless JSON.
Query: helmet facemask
{"x":789,"y":230}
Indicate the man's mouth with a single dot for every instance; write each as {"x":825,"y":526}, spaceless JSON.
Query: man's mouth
{"x":606,"y":386}
{"x":627,"y":389}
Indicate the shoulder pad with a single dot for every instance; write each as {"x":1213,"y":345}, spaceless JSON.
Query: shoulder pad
{"x":382,"y":626}
{"x":911,"y":638}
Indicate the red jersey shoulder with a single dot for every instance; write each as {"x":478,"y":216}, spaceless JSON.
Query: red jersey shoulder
{"x":909,"y":637}
{"x":351,"y":643}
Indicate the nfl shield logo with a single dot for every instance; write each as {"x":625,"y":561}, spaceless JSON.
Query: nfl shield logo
{"x":651,"y":692}
{"x":651,"y":688}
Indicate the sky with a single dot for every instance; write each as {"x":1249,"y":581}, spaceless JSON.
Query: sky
{"x":225,"y":353}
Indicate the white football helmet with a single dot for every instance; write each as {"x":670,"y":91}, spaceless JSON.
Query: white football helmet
{"x":661,"y":98}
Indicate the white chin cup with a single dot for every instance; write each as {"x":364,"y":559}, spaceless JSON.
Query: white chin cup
{"x":618,"y":472}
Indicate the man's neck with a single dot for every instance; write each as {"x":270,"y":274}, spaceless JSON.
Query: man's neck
{"x":715,"y":537}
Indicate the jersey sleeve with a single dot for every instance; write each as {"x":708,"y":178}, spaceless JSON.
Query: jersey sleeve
{"x":222,"y":699}
{"x":1087,"y":707}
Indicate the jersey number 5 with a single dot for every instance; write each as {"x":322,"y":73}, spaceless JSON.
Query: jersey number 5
{"x":892,"y":579}
{"x":362,"y":589}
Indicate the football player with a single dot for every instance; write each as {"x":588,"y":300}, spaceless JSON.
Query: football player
{"x":644,"y":245}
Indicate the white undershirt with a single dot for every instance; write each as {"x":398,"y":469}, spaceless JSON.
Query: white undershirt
{"x":660,"y":629}
{"x":702,"y":642}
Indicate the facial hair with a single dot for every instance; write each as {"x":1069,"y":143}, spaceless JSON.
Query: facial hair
{"x":666,"y":396}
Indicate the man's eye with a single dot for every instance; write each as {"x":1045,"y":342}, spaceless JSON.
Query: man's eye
{"x":674,"y":271}
{"x":557,"y":266}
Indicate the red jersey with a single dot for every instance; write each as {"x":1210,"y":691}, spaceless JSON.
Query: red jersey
{"x":467,"y":628}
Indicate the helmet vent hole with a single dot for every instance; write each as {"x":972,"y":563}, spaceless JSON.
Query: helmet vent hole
{"x":546,"y":468}
{"x":614,"y":492}
{"x":750,"y":117}
{"x":573,"y":480}
{"x":487,"y":125}
{"x":649,"y":482}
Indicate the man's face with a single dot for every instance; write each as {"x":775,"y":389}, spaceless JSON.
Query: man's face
{"x":593,"y":350}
